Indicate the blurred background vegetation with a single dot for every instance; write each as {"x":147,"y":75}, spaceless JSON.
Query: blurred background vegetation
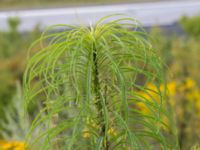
{"x":13,"y":52}
{"x":180,"y":53}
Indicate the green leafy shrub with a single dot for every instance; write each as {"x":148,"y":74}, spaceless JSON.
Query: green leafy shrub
{"x":15,"y":127}
{"x":191,"y":25}
{"x":87,"y":79}
{"x":13,"y":47}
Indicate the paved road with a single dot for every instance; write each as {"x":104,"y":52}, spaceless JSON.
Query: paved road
{"x":155,"y":13}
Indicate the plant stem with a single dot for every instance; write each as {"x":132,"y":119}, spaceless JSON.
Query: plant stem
{"x":99,"y":103}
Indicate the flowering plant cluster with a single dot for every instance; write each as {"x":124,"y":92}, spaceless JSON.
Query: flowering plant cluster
{"x":12,"y":145}
{"x":183,"y":98}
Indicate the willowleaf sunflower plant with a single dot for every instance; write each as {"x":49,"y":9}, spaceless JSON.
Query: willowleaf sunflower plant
{"x":88,"y":79}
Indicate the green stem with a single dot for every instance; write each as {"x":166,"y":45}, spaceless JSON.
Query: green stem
{"x":99,"y":103}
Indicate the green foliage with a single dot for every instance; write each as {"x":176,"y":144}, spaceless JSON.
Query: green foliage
{"x":8,"y":49}
{"x":87,"y":79}
{"x":191,"y":26}
{"x":162,"y":44}
{"x":13,"y":46}
{"x":15,"y":127}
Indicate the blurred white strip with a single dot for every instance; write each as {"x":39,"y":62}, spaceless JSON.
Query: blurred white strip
{"x":155,"y":13}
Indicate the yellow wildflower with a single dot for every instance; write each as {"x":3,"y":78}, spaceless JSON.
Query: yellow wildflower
{"x":143,"y":107}
{"x":171,"y":86}
{"x":111,"y":131}
{"x":6,"y":146}
{"x":94,"y":125}
{"x":86,"y":134}
{"x":152,"y":92}
{"x":15,"y":145}
{"x":189,"y":83}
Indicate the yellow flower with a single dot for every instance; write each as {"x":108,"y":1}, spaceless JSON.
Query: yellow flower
{"x":171,"y":86}
{"x":111,"y":131}
{"x":94,"y":125}
{"x":86,"y":133}
{"x":6,"y":146}
{"x":189,"y":83}
{"x":152,"y":94}
{"x":15,"y":145}
{"x":143,"y":107}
